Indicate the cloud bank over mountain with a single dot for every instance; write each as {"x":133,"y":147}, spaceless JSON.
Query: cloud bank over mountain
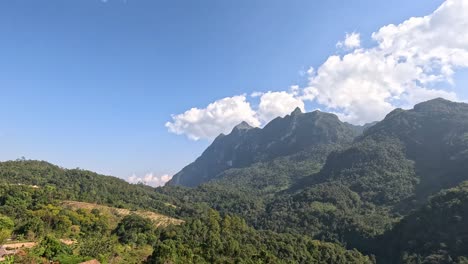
{"x":150,"y":179}
{"x":408,"y":63}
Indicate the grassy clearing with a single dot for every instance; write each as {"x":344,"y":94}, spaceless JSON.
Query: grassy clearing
{"x":158,"y":219}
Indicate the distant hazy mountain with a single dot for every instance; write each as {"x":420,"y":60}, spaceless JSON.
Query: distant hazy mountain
{"x":245,"y":145}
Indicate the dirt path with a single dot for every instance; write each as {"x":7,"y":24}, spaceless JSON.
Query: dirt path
{"x":20,"y":245}
{"x":68,"y":242}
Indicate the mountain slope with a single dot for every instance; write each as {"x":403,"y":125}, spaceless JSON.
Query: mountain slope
{"x":387,"y":172}
{"x":436,"y":233}
{"x":32,"y":206}
{"x":32,"y":197}
{"x":435,"y":136}
{"x":350,"y":191}
{"x":82,"y":185}
{"x":410,"y":154}
{"x":216,"y":239}
{"x":296,"y":133}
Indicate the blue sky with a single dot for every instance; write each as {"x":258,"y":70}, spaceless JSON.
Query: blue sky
{"x":92,"y":84}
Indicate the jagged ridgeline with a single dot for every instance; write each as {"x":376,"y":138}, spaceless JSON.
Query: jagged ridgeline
{"x":431,"y":134}
{"x":306,"y":188}
{"x":310,"y":173}
{"x":306,"y":134}
{"x":408,"y":156}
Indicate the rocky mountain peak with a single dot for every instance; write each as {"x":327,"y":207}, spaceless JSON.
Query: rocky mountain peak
{"x":440,"y":105}
{"x":296,"y":111}
{"x":243,"y":126}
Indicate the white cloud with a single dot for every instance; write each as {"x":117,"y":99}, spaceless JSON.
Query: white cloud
{"x":222,"y":115}
{"x":256,"y":94}
{"x":295,"y":90}
{"x":218,"y":117}
{"x":274,"y":104}
{"x":417,"y":94}
{"x":351,"y":41}
{"x":408,"y":61}
{"x":150,"y":179}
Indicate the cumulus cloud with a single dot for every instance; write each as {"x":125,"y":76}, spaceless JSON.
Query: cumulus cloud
{"x":150,"y":179}
{"x":274,"y":104}
{"x":351,"y":41}
{"x":222,"y":115}
{"x":218,"y":117}
{"x":256,"y":94}
{"x":409,"y":63}
{"x":409,"y":60}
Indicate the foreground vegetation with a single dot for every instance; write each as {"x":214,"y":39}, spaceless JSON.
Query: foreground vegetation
{"x":394,"y":192}
{"x":67,"y":233}
{"x":71,"y":232}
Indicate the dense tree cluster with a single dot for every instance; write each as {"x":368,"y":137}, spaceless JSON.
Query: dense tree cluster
{"x":216,"y":239}
{"x":436,"y":233}
{"x":362,"y":190}
{"x":37,"y":215}
{"x":82,"y":185}
{"x":305,"y":189}
{"x":134,"y":229}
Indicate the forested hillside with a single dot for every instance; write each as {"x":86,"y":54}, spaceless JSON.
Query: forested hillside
{"x":435,"y":137}
{"x":307,"y":188}
{"x":216,"y":239}
{"x":82,"y":185}
{"x":313,"y":134}
{"x":436,"y":233}
{"x":389,"y":171}
{"x":58,"y":231}
{"x":350,"y":193}
{"x":35,"y":209}
{"x":37,"y":206}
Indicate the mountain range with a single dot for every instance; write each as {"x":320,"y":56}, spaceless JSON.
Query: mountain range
{"x":312,"y":174}
{"x":295,"y":133}
{"x":306,"y":188}
{"x":432,"y":139}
